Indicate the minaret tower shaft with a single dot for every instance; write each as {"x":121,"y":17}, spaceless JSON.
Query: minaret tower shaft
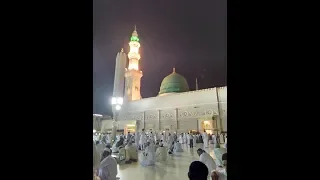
{"x":133,"y":74}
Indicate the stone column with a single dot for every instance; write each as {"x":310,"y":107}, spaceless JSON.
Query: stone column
{"x":114,"y":127}
{"x":159,"y":116}
{"x":176,"y":117}
{"x":144,"y":120}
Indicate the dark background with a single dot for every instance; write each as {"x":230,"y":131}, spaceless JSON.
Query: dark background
{"x":186,"y":35}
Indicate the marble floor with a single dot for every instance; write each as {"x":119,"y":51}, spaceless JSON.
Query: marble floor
{"x":176,"y":167}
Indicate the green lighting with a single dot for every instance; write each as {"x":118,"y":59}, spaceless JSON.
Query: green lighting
{"x":134,"y":38}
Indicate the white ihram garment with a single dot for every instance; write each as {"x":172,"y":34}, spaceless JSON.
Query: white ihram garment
{"x":206,"y":159}
{"x":132,"y":152}
{"x":221,"y":138}
{"x":180,"y":139}
{"x":214,"y":140}
{"x":188,"y":139}
{"x":169,"y":141}
{"x":151,"y":156}
{"x":205,"y":139}
{"x":143,"y":138}
{"x":108,"y":169}
{"x":177,"y":147}
{"x":161,"y":154}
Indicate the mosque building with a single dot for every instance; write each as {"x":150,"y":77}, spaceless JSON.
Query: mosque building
{"x":175,"y":109}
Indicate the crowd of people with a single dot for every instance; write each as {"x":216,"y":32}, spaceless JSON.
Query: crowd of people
{"x":156,"y":147}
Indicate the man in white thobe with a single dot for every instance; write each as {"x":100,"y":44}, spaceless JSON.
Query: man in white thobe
{"x":188,"y":139}
{"x":161,"y":153}
{"x":205,"y":139}
{"x":132,"y":152}
{"x":108,"y":166}
{"x":181,"y":138}
{"x":149,"y":155}
{"x":185,"y":138}
{"x":221,"y":138}
{"x":177,"y":147}
{"x":206,"y":159}
{"x":169,"y":140}
{"x":225,"y":144}
{"x":143,"y":140}
{"x":194,"y":140}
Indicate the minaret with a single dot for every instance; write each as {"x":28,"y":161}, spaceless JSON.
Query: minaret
{"x":197,"y":84}
{"x":119,"y":73}
{"x":133,"y":74}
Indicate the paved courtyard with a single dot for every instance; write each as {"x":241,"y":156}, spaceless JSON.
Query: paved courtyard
{"x":176,"y":167}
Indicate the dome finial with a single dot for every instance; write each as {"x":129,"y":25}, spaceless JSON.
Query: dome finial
{"x":135,"y":27}
{"x":121,"y":49}
{"x":174,"y":70}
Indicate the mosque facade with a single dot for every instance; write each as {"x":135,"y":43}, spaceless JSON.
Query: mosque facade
{"x":175,"y":109}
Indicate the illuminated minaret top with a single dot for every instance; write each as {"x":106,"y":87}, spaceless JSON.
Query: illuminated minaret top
{"x":134,"y":55}
{"x":133,"y":74}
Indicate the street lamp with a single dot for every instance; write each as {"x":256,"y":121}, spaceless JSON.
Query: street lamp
{"x":116,"y":103}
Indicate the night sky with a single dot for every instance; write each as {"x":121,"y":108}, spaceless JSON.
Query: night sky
{"x":187,"y":35}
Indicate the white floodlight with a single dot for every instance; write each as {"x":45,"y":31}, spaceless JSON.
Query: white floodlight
{"x":118,"y":107}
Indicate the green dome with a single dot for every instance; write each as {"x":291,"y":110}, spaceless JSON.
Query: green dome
{"x":174,"y":83}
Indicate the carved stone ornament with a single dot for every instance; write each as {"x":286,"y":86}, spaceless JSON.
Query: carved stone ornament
{"x":196,"y":113}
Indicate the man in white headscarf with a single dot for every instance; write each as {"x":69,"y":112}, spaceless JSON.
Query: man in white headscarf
{"x":132,"y":152}
{"x":221,"y":138}
{"x":169,"y":140}
{"x":177,"y":147}
{"x":194,"y":140}
{"x":149,"y":155}
{"x":108,"y":166}
{"x":143,"y":140}
{"x":181,"y":138}
{"x":161,"y":153}
{"x":205,"y":139}
{"x":206,"y":159}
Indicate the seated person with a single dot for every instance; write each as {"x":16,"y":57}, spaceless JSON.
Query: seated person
{"x":123,"y":156}
{"x":131,"y":152}
{"x":149,"y":155}
{"x":117,"y":144}
{"x":177,"y":147}
{"x":218,"y":152}
{"x":170,"y":151}
{"x":161,"y":153}
{"x":108,"y":166}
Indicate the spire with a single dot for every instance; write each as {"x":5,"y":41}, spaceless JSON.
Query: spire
{"x":134,"y":36}
{"x":174,"y":70}
{"x":197,"y":84}
{"x":121,"y":49}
